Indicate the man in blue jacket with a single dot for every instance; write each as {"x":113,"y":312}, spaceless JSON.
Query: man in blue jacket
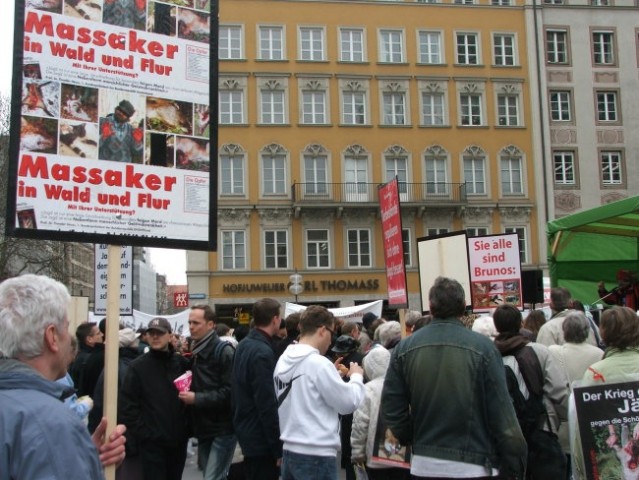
{"x":255,"y":405}
{"x":445,"y":394}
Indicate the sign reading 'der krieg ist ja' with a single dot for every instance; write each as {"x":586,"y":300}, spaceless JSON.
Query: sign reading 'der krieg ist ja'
{"x":115,"y":139}
{"x":495,"y":271}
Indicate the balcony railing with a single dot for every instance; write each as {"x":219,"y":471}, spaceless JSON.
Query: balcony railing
{"x":422,"y":193}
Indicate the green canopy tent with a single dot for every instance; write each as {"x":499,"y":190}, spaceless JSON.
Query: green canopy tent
{"x":593,"y":245}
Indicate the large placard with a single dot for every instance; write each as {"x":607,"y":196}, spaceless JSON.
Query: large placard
{"x":101,"y":279}
{"x":113,"y":135}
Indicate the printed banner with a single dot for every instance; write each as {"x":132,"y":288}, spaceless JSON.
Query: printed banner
{"x":608,"y":418}
{"x":351,"y":314}
{"x":101,"y":278}
{"x":495,"y":271}
{"x":389,"y":205}
{"x":117,"y":140}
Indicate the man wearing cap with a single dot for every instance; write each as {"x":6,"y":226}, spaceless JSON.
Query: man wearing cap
{"x":150,"y":408}
{"x":119,"y":141}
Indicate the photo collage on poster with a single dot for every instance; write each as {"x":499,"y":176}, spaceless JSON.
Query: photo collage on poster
{"x":497,"y":292}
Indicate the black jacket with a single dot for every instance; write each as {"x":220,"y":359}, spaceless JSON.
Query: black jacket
{"x":254,"y":402}
{"x":92,"y":370}
{"x":211,"y":413}
{"x":149,"y":403}
{"x":79,"y":364}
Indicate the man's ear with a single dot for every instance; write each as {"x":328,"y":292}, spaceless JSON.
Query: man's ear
{"x":51,"y":338}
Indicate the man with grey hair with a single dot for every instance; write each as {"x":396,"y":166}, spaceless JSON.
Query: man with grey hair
{"x":39,"y":436}
{"x":551,"y":332}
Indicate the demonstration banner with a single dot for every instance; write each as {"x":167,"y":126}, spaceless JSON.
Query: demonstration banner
{"x":348,"y":314}
{"x":495,"y":271}
{"x":114,"y":140}
{"x":608,"y":419}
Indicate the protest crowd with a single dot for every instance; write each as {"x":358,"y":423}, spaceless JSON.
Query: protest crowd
{"x":446,"y":394}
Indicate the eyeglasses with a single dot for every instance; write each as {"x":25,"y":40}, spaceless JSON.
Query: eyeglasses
{"x":333,"y":333}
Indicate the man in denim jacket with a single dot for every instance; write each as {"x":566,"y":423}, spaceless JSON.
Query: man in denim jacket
{"x":445,"y":394}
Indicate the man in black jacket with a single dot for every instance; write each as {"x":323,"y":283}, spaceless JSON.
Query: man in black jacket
{"x":254,"y":402}
{"x":150,"y":408}
{"x":210,"y":395}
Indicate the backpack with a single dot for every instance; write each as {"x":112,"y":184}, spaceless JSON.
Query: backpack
{"x":546,"y":459}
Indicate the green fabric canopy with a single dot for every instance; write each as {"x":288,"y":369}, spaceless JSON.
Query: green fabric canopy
{"x":592,"y":245}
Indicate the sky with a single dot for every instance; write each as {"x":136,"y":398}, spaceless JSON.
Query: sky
{"x":171,"y":263}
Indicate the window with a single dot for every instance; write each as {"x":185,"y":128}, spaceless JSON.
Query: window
{"x":603,"y":48}
{"x":351,"y":45}
{"x":556,"y":46}
{"x":433,"y":108}
{"x":407,"y":246}
{"x":464,"y":2}
{"x":599,"y":3}
{"x":312,"y":44}
{"x":607,"y":106}
{"x":436,"y":171}
{"x":430,"y":47}
{"x":317,"y":249}
{"x":233,"y":250}
{"x":470,"y":109}
{"x":391,"y":46}
{"x":359,"y":248}
{"x":502,"y":3}
{"x":272,"y":104}
{"x":356,"y":174}
{"x":230,"y":42}
{"x":512,"y":182}
{"x":313,"y":107}
{"x":394,"y":108}
{"x":521,"y":237}
{"x":611,"y":168}
{"x":354,"y":108}
{"x":475,"y":171}
{"x":553,"y":2}
{"x":467,"y":48}
{"x":232,"y":174}
{"x":476,"y":231}
{"x":560,"y":106}
{"x":276,"y":249}
{"x":508,"y":110}
{"x":271,"y":43}
{"x":316,"y":173}
{"x":564,"y":165}
{"x":274,"y":171}
{"x":231,"y":107}
{"x":436,"y":231}
{"x":396,"y":160}
{"x":504,"y":49}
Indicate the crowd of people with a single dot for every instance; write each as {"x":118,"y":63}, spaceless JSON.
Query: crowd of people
{"x":299,"y":398}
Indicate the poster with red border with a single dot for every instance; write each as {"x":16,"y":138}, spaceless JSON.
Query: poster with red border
{"x":495,"y":271}
{"x":389,"y":205}
{"x":113,"y":134}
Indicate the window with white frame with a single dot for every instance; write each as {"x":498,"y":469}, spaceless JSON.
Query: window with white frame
{"x":273,"y":170}
{"x":521,"y":237}
{"x":501,"y":3}
{"x":351,"y":41}
{"x":313,"y":107}
{"x":476,"y":231}
{"x":394,"y":103}
{"x":603,"y":48}
{"x":391,"y":46}
{"x":512,"y":174}
{"x":436,"y":231}
{"x":272,"y":103}
{"x":599,"y":3}
{"x":233,"y":250}
{"x":316,"y":170}
{"x":436,"y":164}
{"x":607,"y":108}
{"x":231,"y":107}
{"x":467,"y":48}
{"x":230,"y":45}
{"x":353,"y":107}
{"x":430,"y":47}
{"x":232,"y":170}
{"x":275,"y":249}
{"x":504,"y":49}
{"x":611,"y":168}
{"x":356,"y":173}
{"x":508,"y":110}
{"x":556,"y":46}
{"x":471,"y":109}
{"x":553,"y":2}
{"x":564,"y":167}
{"x":396,"y":165}
{"x":359,"y":247}
{"x":406,"y":243}
{"x":464,"y":2}
{"x":312,"y":44}
{"x":474,"y":160}
{"x":433,"y":108}
{"x":317,"y":249}
{"x":271,"y":40}
{"x":560,"y":106}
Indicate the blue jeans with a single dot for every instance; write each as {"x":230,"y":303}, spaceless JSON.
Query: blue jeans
{"x":215,"y":456}
{"x":297,"y":466}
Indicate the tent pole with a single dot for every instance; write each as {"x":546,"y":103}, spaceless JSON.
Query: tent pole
{"x":555,"y":243}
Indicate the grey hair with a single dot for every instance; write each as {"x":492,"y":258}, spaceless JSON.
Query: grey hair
{"x":576,"y":327}
{"x":412,"y":316}
{"x":28,"y":304}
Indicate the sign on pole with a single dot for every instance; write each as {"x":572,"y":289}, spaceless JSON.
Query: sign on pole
{"x":389,"y":205}
{"x":101,"y":280}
